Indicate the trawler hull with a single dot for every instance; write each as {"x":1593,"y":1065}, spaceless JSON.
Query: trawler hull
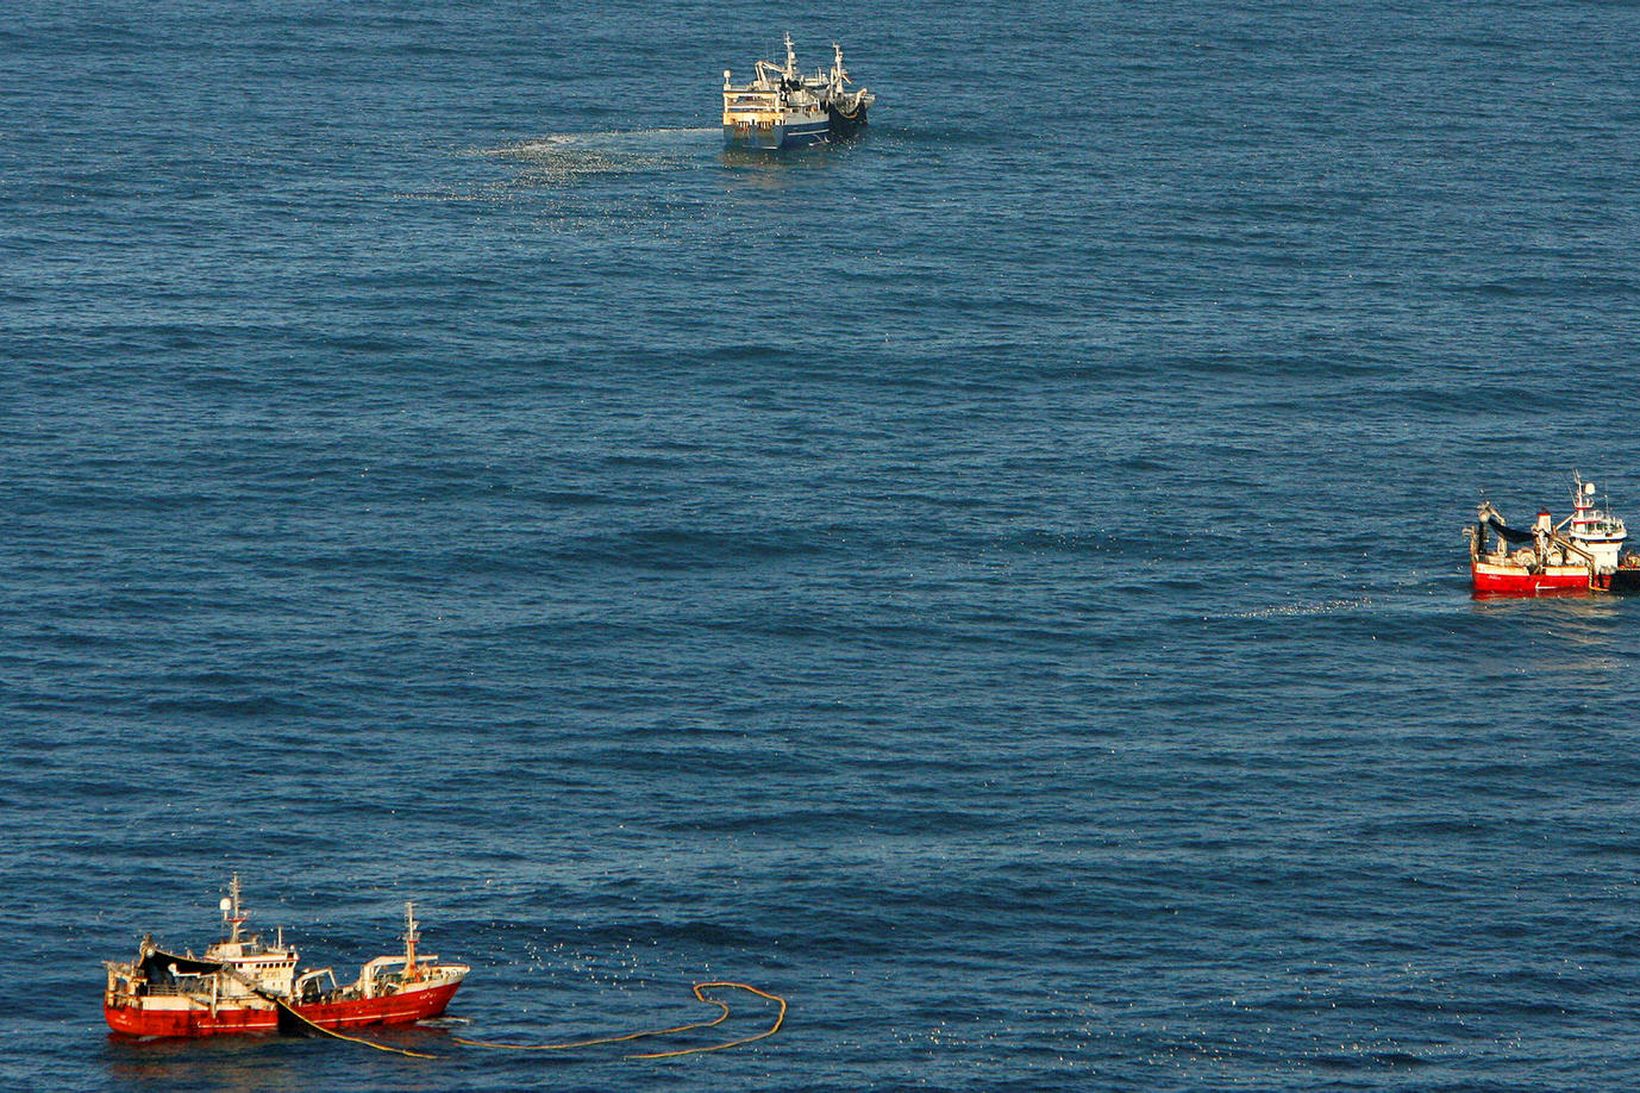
{"x":157,"y":1016}
{"x":775,"y":137}
{"x":1491,"y":579}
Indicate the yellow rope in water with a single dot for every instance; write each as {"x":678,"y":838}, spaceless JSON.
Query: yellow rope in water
{"x":779,"y":1020}
{"x":699,"y":988}
{"x":567,"y":1045}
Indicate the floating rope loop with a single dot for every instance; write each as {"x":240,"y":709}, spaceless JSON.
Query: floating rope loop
{"x":700,"y":989}
{"x":779,"y":1020}
{"x":571,"y":1044}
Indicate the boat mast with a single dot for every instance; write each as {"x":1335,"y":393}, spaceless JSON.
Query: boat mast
{"x":232,"y":917}
{"x":791,"y":58}
{"x":411,"y":970}
{"x":1583,"y":506}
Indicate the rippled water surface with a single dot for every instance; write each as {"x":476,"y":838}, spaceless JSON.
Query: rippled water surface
{"x":997,"y":584}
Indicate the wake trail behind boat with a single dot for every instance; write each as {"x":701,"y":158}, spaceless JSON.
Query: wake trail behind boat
{"x":632,"y":140}
{"x":1288,"y":610}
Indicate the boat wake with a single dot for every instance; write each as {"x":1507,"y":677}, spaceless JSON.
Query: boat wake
{"x":558,"y":161}
{"x":629,"y":140}
{"x":1289,"y":610}
{"x":567,"y":157}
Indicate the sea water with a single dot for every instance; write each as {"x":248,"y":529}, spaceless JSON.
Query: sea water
{"x":997,"y":585}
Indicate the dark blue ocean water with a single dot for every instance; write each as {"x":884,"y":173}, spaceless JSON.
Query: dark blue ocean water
{"x":997,"y":585}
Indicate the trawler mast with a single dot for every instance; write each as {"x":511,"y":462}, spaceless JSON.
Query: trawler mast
{"x":233,"y":916}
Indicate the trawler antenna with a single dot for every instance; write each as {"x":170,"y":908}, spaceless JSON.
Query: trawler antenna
{"x":791,"y":57}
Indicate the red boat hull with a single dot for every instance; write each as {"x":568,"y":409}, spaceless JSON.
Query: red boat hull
{"x":1492,"y":580}
{"x":403,"y":1008}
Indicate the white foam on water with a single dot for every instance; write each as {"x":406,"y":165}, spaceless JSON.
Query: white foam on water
{"x":557,"y":160}
{"x":1289,"y":610}
{"x":637,"y":139}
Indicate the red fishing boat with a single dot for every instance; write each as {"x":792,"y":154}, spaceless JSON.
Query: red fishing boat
{"x":242,"y":984}
{"x":1581,"y":554}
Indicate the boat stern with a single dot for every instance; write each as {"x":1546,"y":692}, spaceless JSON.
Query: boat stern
{"x":776,"y":137}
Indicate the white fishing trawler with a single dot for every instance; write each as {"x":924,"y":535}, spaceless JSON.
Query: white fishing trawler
{"x":783,"y":108}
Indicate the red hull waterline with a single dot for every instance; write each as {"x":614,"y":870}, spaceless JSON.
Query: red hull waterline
{"x":1518,"y":581}
{"x":1522,"y":582}
{"x":404,"y":1008}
